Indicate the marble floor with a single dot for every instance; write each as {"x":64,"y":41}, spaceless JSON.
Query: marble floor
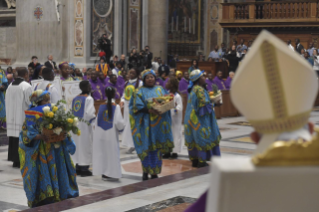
{"x":179,"y":184}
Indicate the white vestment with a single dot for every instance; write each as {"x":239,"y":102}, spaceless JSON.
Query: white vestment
{"x":127,"y":139}
{"x":177,"y":126}
{"x":17,"y":101}
{"x":106,"y":150}
{"x":83,"y":153}
{"x":54,"y":94}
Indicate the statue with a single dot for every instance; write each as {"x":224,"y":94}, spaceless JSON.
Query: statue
{"x":11,"y":4}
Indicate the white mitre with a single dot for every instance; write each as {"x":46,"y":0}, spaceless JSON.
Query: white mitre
{"x":275,"y":89}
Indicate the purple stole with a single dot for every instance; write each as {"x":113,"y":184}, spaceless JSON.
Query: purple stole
{"x":228,"y":83}
{"x":85,"y":78}
{"x":98,"y":90}
{"x":159,"y":81}
{"x":121,"y":81}
{"x":183,"y":85}
{"x":118,"y":89}
{"x":220,"y":83}
{"x":209,"y":84}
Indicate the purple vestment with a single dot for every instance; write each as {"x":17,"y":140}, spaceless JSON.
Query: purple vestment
{"x":220,"y":83}
{"x":209,"y":84}
{"x":118,"y":89}
{"x":121,"y":81}
{"x":199,"y":205}
{"x":159,"y":81}
{"x":104,"y":82}
{"x":164,"y":83}
{"x":98,"y":90}
{"x":183,"y":85}
{"x":228,"y":83}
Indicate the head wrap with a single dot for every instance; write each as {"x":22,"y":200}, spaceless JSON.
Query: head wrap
{"x":37,"y":72}
{"x":146,"y":72}
{"x":178,"y":72}
{"x":195,"y":75}
{"x":37,"y":96}
{"x":62,"y":63}
{"x":72,"y":65}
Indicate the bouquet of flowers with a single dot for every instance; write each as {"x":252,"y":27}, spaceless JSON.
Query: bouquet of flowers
{"x":56,"y":122}
{"x":162,"y":103}
{"x":215,"y":96}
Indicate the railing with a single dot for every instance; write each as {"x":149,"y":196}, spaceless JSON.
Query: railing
{"x":270,"y":10}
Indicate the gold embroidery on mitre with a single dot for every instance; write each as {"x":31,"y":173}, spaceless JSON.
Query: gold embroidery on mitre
{"x":291,"y":153}
{"x":281,"y":121}
{"x":285,"y":124}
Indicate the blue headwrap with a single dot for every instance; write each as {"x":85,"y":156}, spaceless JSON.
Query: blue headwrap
{"x":146,"y":72}
{"x":195,"y":75}
{"x":72,"y":65}
{"x":37,"y":96}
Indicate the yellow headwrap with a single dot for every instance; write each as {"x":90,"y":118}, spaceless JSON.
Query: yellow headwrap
{"x":178,"y":72}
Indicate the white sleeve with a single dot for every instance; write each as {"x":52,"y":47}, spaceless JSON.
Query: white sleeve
{"x":118,"y":119}
{"x":140,"y":84}
{"x":90,"y":109}
{"x":55,"y":97}
{"x":27,"y":93}
{"x":178,"y":101}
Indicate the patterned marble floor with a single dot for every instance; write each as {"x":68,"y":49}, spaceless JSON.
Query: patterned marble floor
{"x":179,"y":184}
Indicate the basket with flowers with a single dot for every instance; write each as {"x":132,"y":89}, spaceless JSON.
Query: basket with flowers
{"x":56,"y":122}
{"x":215,"y":96}
{"x":162,"y":104}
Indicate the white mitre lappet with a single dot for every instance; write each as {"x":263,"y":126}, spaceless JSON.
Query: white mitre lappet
{"x":275,"y":89}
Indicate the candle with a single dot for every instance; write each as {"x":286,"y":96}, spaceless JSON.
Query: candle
{"x":184,"y":24}
{"x":190,"y":26}
{"x":172,"y":24}
{"x":176,"y":23}
{"x":194,"y":24}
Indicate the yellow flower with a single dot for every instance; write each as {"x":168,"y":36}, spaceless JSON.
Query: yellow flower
{"x":50,"y":126}
{"x":79,"y":132}
{"x":51,"y":114}
{"x":55,"y":108}
{"x":70,"y":120}
{"x":37,"y":116}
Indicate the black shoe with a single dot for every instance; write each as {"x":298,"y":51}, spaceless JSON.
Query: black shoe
{"x":78,"y":172}
{"x":154,"y":176}
{"x":195,"y":163}
{"x":86,"y":173}
{"x":104,"y":177}
{"x":174,"y":155}
{"x":145,"y":176}
{"x":16,"y":164}
{"x":202,"y":164}
{"x":166,"y":156}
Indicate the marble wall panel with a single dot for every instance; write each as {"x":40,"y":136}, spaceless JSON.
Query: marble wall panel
{"x":134,"y":25}
{"x":78,"y":28}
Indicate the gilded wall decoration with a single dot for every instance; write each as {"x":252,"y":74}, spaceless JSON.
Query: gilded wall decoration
{"x":78,"y":28}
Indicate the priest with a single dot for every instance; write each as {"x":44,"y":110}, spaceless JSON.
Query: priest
{"x":229,"y":80}
{"x":17,"y":101}
{"x":210,"y":82}
{"x":97,"y":87}
{"x":218,"y":80}
{"x":118,"y":88}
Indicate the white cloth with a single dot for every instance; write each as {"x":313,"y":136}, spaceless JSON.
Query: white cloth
{"x":127,"y":139}
{"x":155,"y":66}
{"x":83,"y":153}
{"x":17,"y":101}
{"x":177,"y":126}
{"x":54,"y":94}
{"x":291,"y":47}
{"x":114,"y":71}
{"x":316,"y":63}
{"x":106,"y":150}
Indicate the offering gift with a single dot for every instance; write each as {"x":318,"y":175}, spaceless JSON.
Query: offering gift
{"x":162,"y":103}
{"x":215,"y":97}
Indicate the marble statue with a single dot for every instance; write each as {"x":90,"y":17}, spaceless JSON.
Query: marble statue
{"x":11,"y":3}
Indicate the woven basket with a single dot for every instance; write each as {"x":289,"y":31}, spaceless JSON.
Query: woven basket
{"x":164,"y":107}
{"x":217,"y":98}
{"x":52,"y":137}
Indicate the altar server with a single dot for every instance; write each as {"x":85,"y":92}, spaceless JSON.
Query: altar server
{"x":176,"y":113}
{"x":118,"y":88}
{"x":17,"y":101}
{"x":229,"y":80}
{"x":83,"y":108}
{"x":97,"y":87}
{"x":218,"y":80}
{"x":64,"y":67}
{"x":130,"y":87}
{"x":106,"y":150}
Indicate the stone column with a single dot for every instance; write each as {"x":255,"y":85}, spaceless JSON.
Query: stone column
{"x":117,"y":38}
{"x":157,"y":27}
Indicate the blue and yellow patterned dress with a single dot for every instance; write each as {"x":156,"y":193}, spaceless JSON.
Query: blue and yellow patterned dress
{"x":201,"y":130}
{"x":3,"y":82}
{"x":48,"y":172}
{"x":152,"y":134}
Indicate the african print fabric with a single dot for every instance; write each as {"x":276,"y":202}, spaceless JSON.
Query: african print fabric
{"x":3,"y":82}
{"x":152,"y":163}
{"x":201,"y":130}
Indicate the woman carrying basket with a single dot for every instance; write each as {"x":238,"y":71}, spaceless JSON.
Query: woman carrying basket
{"x":152,"y":134}
{"x":47,"y":170}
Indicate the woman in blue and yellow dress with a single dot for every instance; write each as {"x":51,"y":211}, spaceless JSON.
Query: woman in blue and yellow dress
{"x":3,"y":87}
{"x":152,"y":134}
{"x":201,"y":130}
{"x":47,"y":169}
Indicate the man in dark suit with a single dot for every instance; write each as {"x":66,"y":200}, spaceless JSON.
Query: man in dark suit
{"x":148,"y":57}
{"x":50,"y":63}
{"x":299,"y":47}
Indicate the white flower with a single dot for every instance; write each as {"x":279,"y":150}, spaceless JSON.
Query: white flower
{"x":57,"y":145}
{"x":75,"y":121}
{"x":57,"y":130}
{"x":46,"y":109}
{"x":52,"y":104}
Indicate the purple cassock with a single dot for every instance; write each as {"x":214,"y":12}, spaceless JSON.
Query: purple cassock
{"x":219,"y":82}
{"x":121,"y":81}
{"x":98,"y":90}
{"x":118,"y":89}
{"x":228,"y":83}
{"x":183,"y":85}
{"x":209,"y":84}
{"x":85,"y":77}
{"x":159,"y":81}
{"x":104,"y":82}
{"x":199,"y":205}
{"x":164,"y":83}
